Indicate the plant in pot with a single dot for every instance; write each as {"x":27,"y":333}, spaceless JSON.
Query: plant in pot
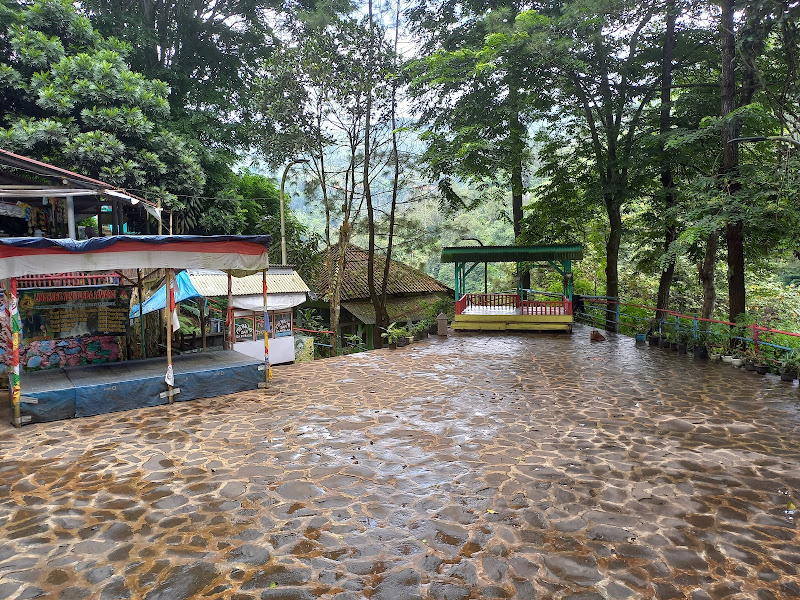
{"x":750,"y":356}
{"x":763,"y":359}
{"x":393,"y":333}
{"x":790,"y":365}
{"x":699,"y":345}
{"x":726,"y":343}
{"x":738,"y":359}
{"x":666,"y":336}
{"x":641,"y":328}
{"x":682,"y":338}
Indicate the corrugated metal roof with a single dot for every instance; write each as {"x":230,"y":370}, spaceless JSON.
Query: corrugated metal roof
{"x":402,"y":278}
{"x":510,"y":253}
{"x":410,"y":307}
{"x":215,"y":283}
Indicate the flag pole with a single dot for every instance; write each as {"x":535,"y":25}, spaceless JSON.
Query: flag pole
{"x":170,"y":378}
{"x":267,"y":367}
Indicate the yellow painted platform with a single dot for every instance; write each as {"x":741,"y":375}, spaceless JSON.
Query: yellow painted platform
{"x":512,"y":323}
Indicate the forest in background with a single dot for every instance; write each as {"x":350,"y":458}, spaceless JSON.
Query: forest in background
{"x":408,"y":125}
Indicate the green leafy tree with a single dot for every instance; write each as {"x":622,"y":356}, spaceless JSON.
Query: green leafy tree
{"x":471,"y":96}
{"x":70,"y":98}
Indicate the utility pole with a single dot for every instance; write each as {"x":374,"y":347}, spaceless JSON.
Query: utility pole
{"x":283,"y":224}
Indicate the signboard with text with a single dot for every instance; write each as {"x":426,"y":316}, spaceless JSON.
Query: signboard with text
{"x":62,"y":313}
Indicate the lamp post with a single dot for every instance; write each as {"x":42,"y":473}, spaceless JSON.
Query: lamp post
{"x":283,"y":224}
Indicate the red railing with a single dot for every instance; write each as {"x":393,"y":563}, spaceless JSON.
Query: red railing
{"x":487,"y":301}
{"x":75,"y":278}
{"x":547,"y":307}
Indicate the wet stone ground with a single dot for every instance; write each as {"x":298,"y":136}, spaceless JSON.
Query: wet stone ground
{"x":511,"y":466}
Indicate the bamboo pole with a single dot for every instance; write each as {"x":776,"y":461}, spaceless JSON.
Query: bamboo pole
{"x":229,"y":314}
{"x":170,"y":378}
{"x":267,"y":367}
{"x":141,"y":304}
{"x":160,"y":218}
{"x":12,"y":310}
{"x":203,"y":321}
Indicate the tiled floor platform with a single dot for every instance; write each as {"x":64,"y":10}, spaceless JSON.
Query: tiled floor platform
{"x":479,"y":466}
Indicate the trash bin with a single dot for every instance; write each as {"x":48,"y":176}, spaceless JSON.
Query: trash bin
{"x":441,"y":324}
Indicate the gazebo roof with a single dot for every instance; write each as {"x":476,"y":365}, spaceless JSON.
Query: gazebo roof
{"x":479,"y":254}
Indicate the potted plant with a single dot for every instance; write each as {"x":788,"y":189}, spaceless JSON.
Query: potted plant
{"x":392,"y":334}
{"x":700,"y":346}
{"x":683,"y":338}
{"x":737,"y":360}
{"x":790,"y":365}
{"x":750,"y":358}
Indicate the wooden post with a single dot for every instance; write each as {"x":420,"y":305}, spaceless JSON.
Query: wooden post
{"x":229,"y":315}
{"x":203,"y":321}
{"x":170,"y":378}
{"x":267,"y":367}
{"x":14,"y":327}
{"x":141,"y":303}
{"x":170,"y":222}
{"x":160,"y":218}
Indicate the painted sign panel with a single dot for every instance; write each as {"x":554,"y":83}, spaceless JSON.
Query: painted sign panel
{"x":63,"y":313}
{"x":283,"y":324}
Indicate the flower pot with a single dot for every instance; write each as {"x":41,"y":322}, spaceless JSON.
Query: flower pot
{"x":674,"y":346}
{"x":788,"y":374}
{"x":641,"y":337}
{"x":737,"y":362}
{"x":403,"y":341}
{"x":664,"y":343}
{"x":681,"y":348}
{"x":433,"y":329}
{"x":700,"y":352}
{"x":762,"y":369}
{"x":417,"y":336}
{"x":392,"y":345}
{"x":653,"y":340}
{"x":727,"y":358}
{"x":749,"y":365}
{"x":715,"y":356}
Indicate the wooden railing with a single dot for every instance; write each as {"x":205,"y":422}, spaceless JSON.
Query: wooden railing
{"x":527,"y":307}
{"x":75,"y":278}
{"x":547,"y":307}
{"x":487,"y":301}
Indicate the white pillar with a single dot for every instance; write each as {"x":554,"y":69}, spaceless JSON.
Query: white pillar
{"x":71,"y":218}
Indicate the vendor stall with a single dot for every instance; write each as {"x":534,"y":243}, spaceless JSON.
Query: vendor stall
{"x":285,"y":290}
{"x":69,"y":390}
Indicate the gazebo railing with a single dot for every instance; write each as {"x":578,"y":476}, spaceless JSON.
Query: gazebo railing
{"x":487,"y":301}
{"x":547,"y":307}
{"x":498,"y":302}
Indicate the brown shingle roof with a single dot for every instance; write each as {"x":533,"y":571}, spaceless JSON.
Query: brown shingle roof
{"x":402,"y":278}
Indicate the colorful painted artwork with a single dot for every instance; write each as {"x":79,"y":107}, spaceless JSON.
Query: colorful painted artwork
{"x":50,"y":354}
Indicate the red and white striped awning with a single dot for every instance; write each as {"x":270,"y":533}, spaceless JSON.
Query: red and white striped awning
{"x":239,"y":254}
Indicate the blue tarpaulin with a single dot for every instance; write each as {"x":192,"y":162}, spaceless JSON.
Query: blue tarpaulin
{"x":184,"y":290}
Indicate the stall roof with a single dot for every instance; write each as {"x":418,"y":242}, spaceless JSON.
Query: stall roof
{"x":279,"y":281}
{"x":481,"y":254}
{"x":241,"y":254}
{"x":63,"y":183}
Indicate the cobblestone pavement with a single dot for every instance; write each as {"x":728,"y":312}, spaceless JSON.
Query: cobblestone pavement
{"x":510,"y":466}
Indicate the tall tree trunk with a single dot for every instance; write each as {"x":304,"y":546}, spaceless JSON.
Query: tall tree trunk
{"x":667,"y":176}
{"x":706,"y":272}
{"x":730,"y":162}
{"x":374,"y":297}
{"x":612,"y":258}
{"x":384,"y":323}
{"x":517,"y":188}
